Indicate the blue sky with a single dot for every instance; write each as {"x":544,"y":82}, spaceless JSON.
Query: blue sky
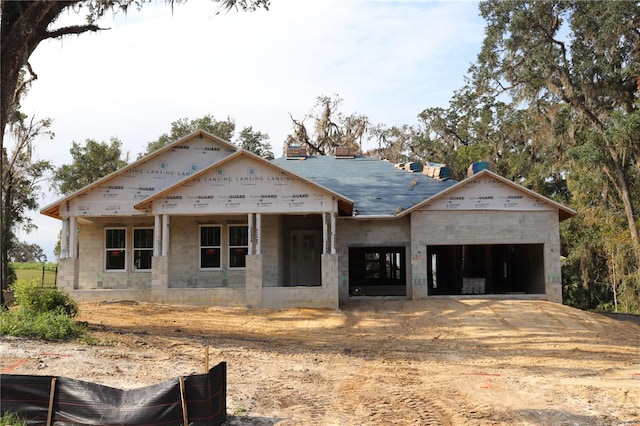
{"x":388,"y":60}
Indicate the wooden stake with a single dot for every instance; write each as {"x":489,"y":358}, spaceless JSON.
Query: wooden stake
{"x":52,"y":393}
{"x":185,"y":417}
{"x":206,"y":359}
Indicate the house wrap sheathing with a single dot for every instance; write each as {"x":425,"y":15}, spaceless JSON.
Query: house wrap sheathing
{"x":203,"y":222}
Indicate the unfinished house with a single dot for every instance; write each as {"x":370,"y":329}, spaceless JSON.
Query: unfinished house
{"x":204,"y":222}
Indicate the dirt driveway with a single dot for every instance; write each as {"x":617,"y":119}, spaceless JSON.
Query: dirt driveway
{"x":429,"y":362}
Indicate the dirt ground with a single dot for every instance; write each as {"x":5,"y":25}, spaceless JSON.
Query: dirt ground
{"x":440,"y":361}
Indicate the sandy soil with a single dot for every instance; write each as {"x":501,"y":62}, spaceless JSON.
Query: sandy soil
{"x":431,"y":362}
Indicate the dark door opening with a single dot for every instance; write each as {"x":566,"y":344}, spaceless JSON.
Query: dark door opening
{"x":377,"y":271}
{"x":485,"y":269}
{"x":304,"y":263}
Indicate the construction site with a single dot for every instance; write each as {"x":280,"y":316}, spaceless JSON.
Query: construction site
{"x":438,"y":361}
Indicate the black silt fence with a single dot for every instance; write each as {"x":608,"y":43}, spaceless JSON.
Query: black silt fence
{"x":198,"y":400}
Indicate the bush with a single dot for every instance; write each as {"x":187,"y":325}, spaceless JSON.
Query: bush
{"x":52,"y":325}
{"x":31,"y":297}
{"x":41,"y":313}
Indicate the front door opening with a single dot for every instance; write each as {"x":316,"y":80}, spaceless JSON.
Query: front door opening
{"x":377,"y":271}
{"x":305,"y":249}
{"x":485,"y":269}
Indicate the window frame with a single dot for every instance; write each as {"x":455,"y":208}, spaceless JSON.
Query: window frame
{"x":107,"y":249}
{"x":140,"y":249}
{"x":236,"y":247}
{"x":212,"y":246}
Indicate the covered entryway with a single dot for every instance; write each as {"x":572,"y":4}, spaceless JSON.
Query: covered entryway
{"x":377,"y":271}
{"x":485,"y":269}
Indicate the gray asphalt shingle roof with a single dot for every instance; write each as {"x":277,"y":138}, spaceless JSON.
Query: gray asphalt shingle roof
{"x":375,"y":186}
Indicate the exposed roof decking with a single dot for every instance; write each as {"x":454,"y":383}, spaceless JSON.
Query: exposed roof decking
{"x":376,"y":186}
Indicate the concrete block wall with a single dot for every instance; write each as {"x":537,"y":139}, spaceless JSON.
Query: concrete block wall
{"x":369,"y":233}
{"x":320,"y":297}
{"x":486,"y":227}
{"x":184,"y":251}
{"x":68,"y":274}
{"x":91,"y":252}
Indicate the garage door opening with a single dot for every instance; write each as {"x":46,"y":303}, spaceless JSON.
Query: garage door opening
{"x":377,"y":271}
{"x":485,"y":269}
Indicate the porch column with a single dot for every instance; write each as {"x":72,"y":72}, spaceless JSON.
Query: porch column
{"x":157,"y":235}
{"x":250,"y":232}
{"x":333,"y":233}
{"x":64,"y":239}
{"x":69,"y":264}
{"x":160,"y":266}
{"x":73,"y":237}
{"x":325,"y":233}
{"x":258,"y":233}
{"x":165,"y":235}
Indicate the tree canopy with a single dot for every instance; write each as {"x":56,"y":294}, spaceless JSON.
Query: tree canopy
{"x":331,"y":128}
{"x":91,"y":162}
{"x":22,"y":177}
{"x":254,"y":141}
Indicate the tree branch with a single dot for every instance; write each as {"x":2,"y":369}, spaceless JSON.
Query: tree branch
{"x":73,"y":29}
{"x":34,"y":76}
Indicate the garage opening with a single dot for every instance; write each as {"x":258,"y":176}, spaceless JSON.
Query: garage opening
{"x":377,"y":271}
{"x":485,"y":269}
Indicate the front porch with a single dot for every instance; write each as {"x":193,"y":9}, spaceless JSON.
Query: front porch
{"x":287,"y":261}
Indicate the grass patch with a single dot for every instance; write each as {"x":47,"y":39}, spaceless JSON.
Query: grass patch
{"x":11,"y":419}
{"x":50,"y":325}
{"x":45,"y":273}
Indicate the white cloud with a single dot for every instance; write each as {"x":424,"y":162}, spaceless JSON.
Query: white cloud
{"x":388,"y":60}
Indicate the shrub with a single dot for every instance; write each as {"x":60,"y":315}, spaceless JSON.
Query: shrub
{"x":28,"y":295}
{"x":52,"y":325}
{"x":41,"y":313}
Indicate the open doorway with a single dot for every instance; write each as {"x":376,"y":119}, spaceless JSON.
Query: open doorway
{"x":377,"y":271}
{"x":485,"y":269}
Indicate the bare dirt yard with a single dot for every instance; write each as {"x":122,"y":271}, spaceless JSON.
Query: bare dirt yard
{"x":429,"y":362}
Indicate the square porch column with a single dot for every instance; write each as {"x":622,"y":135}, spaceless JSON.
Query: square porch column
{"x":253,"y":280}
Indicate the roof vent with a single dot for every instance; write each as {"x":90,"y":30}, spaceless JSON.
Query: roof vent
{"x":346,"y":152}
{"x":478,"y":166}
{"x":437,"y":171}
{"x":296,"y":152}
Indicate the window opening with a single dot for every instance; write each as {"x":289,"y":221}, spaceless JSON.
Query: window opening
{"x":115,"y":244}
{"x":142,"y":248}
{"x":209,"y":247}
{"x":238,"y":246}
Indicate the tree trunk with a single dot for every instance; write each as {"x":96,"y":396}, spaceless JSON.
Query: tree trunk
{"x":626,"y":201}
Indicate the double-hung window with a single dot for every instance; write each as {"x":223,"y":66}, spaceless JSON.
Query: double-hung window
{"x":209,"y":247}
{"x":238,"y":245}
{"x":142,"y":248}
{"x":115,"y":247}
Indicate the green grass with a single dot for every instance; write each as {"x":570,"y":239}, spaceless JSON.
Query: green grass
{"x":28,"y":271}
{"x":11,"y":419}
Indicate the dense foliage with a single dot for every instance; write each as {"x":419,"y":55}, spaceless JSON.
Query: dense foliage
{"x":41,"y":313}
